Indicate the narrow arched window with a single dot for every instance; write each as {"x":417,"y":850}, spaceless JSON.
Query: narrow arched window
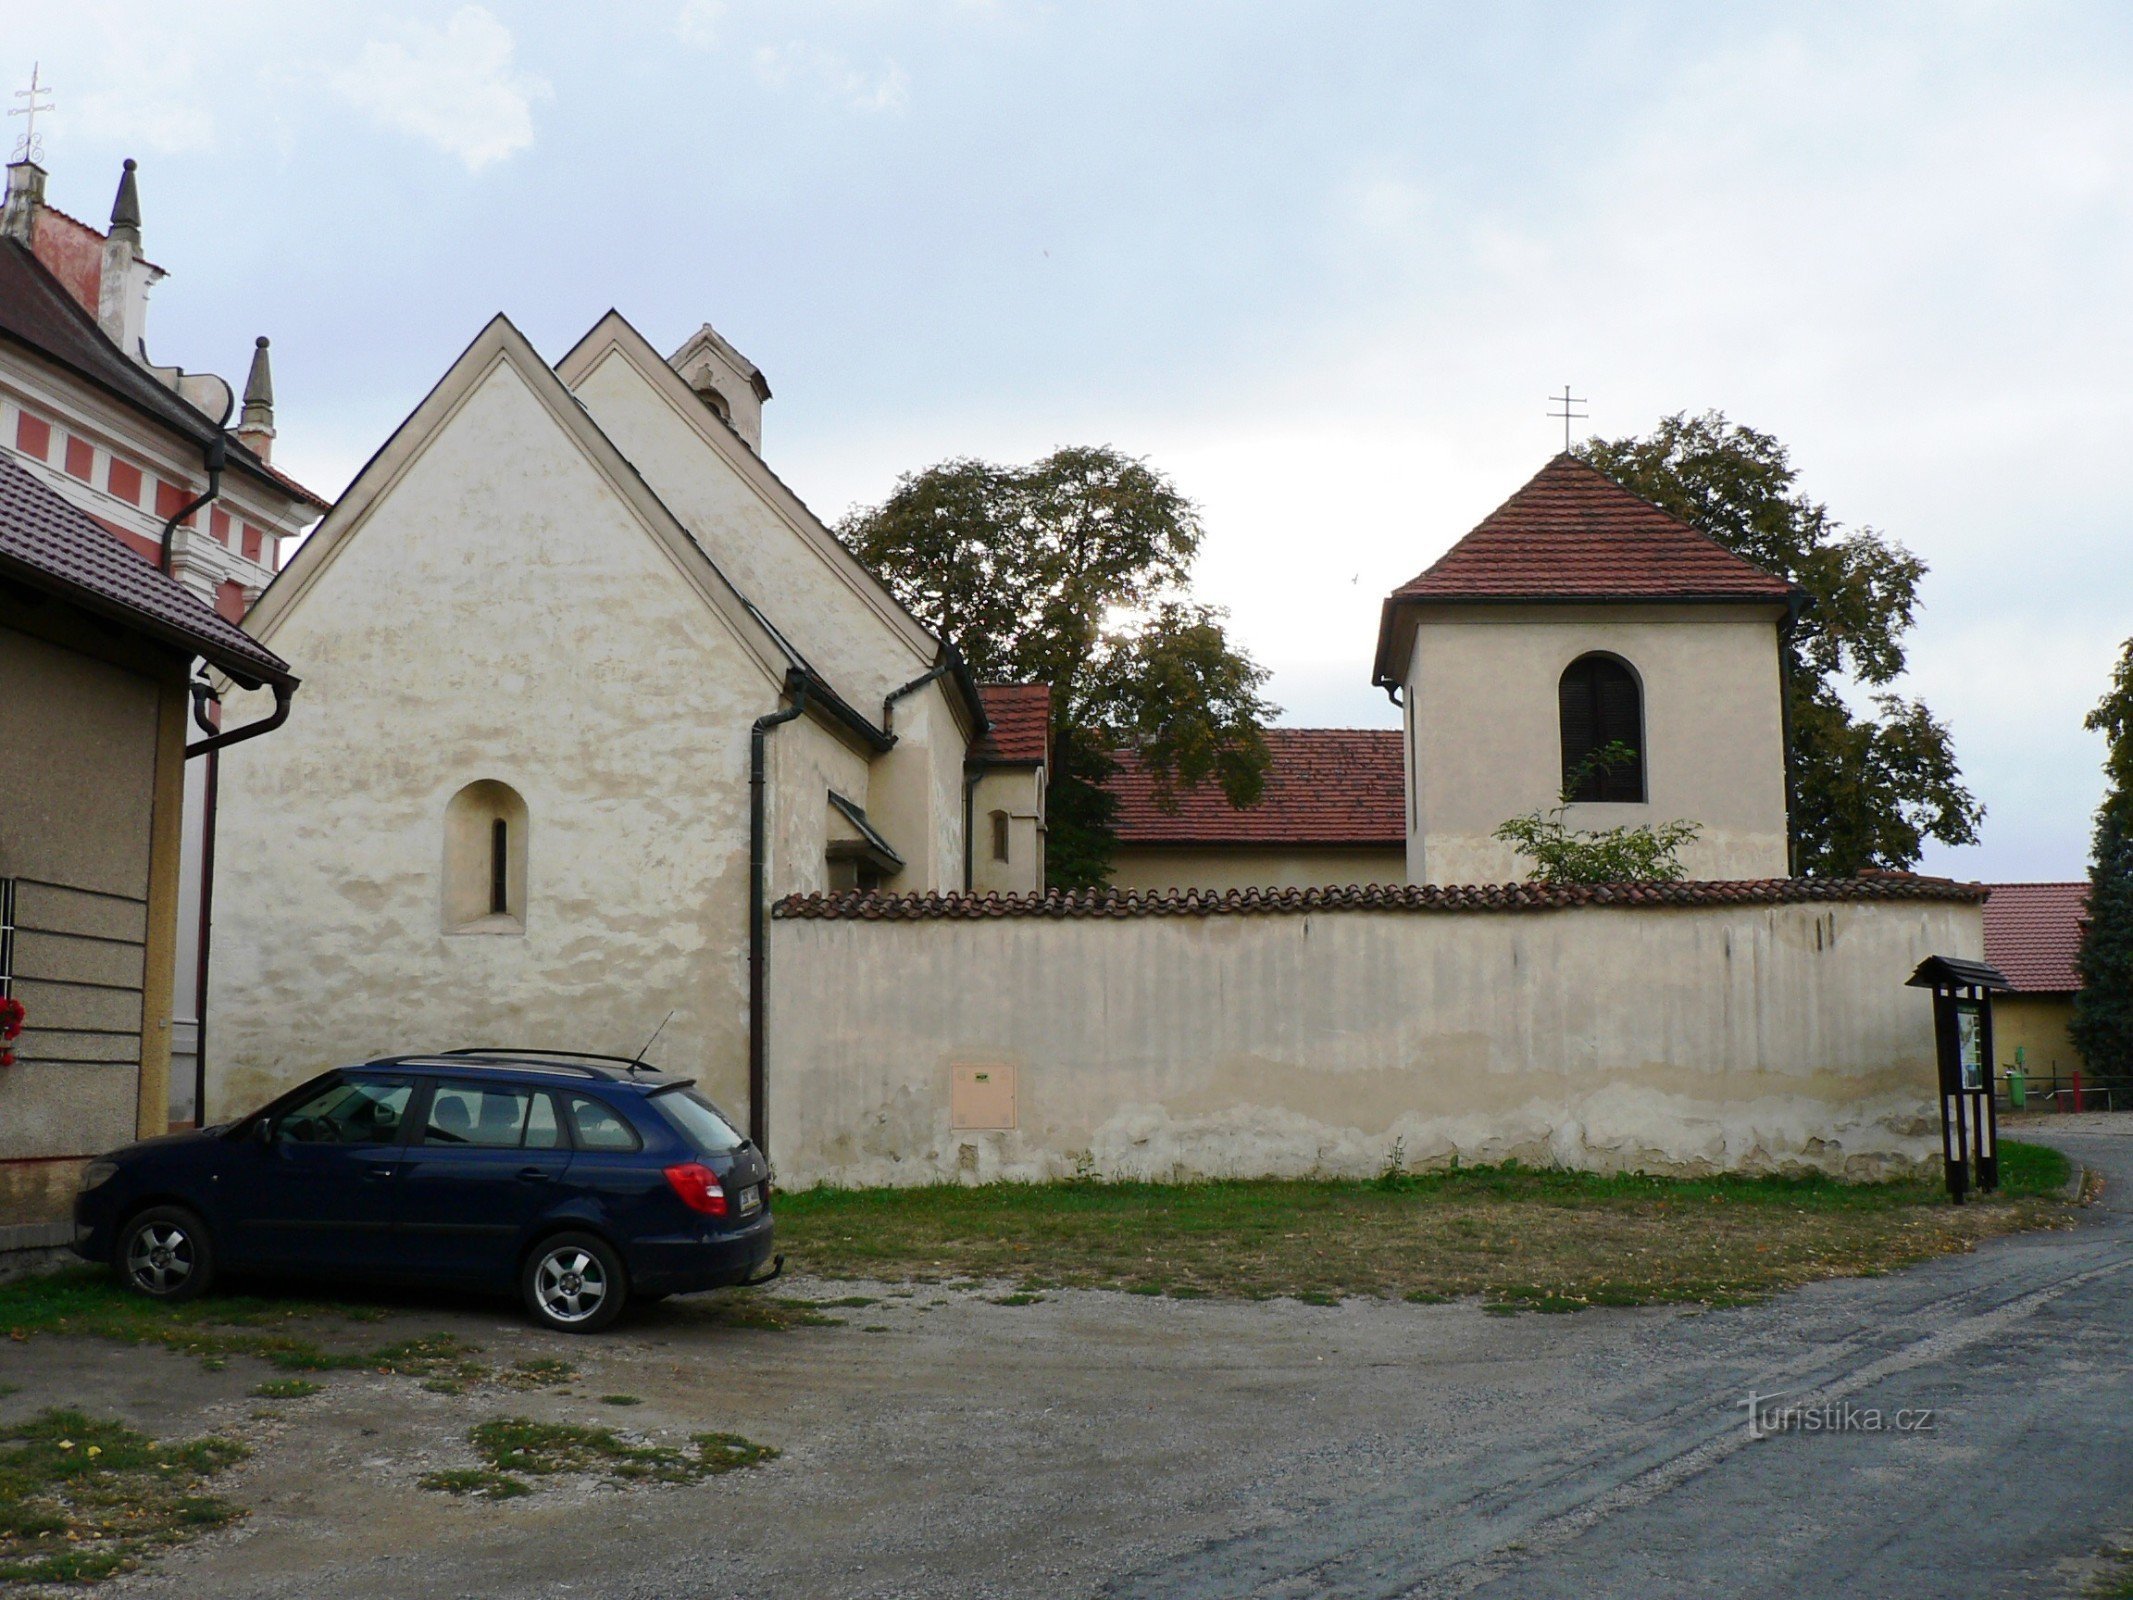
{"x":485,"y":860}
{"x":1601,"y":705}
{"x":499,"y":867}
{"x":999,"y":835}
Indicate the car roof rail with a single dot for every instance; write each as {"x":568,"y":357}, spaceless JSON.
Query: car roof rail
{"x":631,"y":1064}
{"x":503,"y":1061}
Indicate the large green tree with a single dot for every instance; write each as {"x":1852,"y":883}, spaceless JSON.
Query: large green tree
{"x":1072,"y":571}
{"x":2103,"y":1009}
{"x":1869,"y":788}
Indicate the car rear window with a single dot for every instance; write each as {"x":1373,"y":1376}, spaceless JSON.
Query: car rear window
{"x":700,"y":1122}
{"x":601,"y":1127}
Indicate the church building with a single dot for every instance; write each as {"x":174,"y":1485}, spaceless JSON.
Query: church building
{"x":587,"y":687}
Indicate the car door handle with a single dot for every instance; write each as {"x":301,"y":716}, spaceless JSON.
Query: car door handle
{"x":533,"y":1175}
{"x":380,"y":1174}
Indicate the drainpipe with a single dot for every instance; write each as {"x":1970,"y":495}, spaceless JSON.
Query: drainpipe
{"x":972,"y":773}
{"x":888,"y":701}
{"x":759,"y":912}
{"x":212,"y":746}
{"x":212,"y":457}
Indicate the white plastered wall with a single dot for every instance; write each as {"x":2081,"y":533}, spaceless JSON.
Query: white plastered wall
{"x":1736,"y":1038}
{"x":1017,"y":791}
{"x":1482,"y":691}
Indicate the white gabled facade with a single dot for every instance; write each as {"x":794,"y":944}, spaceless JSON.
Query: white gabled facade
{"x":557,"y":603}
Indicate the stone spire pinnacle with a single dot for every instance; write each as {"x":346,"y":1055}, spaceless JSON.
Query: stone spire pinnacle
{"x":255,"y":428}
{"x":126,"y":208}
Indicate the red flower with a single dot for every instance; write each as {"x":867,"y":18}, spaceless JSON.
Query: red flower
{"x":11,"y":1015}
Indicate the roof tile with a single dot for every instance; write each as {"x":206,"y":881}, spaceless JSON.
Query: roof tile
{"x":1021,"y":719}
{"x":1573,"y":533}
{"x":2033,"y":933}
{"x":1337,"y":786}
{"x":54,"y":543}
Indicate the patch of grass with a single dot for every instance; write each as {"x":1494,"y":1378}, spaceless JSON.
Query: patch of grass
{"x":1518,"y":1238}
{"x":851,"y":1302}
{"x":743,"y":1308}
{"x":1021,"y":1297}
{"x":477,"y":1481}
{"x":85,"y":1301}
{"x":81,"y":1499}
{"x":620,"y":1400}
{"x":542,"y":1372}
{"x":287,"y":1389}
{"x":519,"y":1445}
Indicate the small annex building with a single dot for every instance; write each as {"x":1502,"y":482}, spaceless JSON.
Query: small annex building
{"x":96,"y":652}
{"x":2033,"y":935}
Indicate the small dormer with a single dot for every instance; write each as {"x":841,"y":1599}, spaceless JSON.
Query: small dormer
{"x":728,"y":383}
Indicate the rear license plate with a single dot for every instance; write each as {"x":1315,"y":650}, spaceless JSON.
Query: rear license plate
{"x":751,"y":1201}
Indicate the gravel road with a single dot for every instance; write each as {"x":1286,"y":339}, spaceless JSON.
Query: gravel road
{"x":943,"y":1444}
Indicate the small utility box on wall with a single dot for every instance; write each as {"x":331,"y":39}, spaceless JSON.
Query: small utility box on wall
{"x":1962,"y":1032}
{"x":981,"y":1095}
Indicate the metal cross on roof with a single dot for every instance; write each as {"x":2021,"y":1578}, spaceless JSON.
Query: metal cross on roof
{"x":30,"y":147}
{"x":1567,"y":400}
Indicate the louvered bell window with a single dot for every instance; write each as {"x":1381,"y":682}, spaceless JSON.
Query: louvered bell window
{"x":1602,"y":705}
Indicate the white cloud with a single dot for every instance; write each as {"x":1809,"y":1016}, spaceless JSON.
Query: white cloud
{"x":889,"y":89}
{"x":453,"y":87}
{"x":698,"y":23}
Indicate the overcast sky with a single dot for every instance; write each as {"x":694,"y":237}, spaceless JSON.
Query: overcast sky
{"x":1321,"y":263}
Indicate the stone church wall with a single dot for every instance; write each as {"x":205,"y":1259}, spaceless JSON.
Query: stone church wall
{"x":1724,"y":1027}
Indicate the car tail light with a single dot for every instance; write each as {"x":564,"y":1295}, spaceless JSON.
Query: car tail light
{"x":698,"y":1187}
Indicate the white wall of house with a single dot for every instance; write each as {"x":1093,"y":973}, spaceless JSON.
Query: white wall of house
{"x":1672,"y":1039}
{"x":1017,"y":794}
{"x":1485,"y":732}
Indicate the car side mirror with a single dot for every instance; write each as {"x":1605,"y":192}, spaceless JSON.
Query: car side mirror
{"x":263,"y":1130}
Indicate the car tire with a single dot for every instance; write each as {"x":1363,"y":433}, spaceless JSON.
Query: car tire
{"x":574,"y":1283}
{"x":165,"y":1253}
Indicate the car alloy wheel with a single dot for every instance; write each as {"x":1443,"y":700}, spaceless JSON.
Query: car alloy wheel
{"x":160,"y":1258}
{"x":571,"y":1284}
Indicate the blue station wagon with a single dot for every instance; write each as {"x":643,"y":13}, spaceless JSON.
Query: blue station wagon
{"x":582,"y":1182}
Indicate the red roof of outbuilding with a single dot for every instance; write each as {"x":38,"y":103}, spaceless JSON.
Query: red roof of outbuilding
{"x":2032,"y":932}
{"x":1328,"y":786}
{"x":1573,"y":533}
{"x":1021,"y":718}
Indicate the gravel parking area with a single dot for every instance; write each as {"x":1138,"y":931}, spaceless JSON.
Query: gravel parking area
{"x":970,"y":1441}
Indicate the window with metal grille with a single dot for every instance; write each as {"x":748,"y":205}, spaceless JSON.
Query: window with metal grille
{"x":1601,"y":704}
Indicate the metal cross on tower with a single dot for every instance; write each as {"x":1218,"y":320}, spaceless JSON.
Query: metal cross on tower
{"x":1567,"y":400}
{"x":30,"y":147}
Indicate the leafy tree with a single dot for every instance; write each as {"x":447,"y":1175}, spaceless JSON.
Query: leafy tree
{"x":2103,"y":1008}
{"x":1868,"y":789}
{"x":1562,"y":854}
{"x":1071,"y":571}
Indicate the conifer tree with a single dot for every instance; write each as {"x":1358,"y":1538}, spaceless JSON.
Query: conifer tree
{"x":2103,"y":1009}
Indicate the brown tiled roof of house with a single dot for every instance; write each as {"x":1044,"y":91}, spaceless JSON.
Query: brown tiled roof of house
{"x":1325,"y":786}
{"x":1573,"y":533}
{"x":2033,"y":932}
{"x":1021,"y":719}
{"x":37,"y":312}
{"x":49,"y":543}
{"x":864,"y":906}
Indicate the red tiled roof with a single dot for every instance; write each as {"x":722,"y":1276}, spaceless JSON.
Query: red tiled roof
{"x":863,"y":906}
{"x":2032,"y":932}
{"x":1323,"y":786}
{"x":50,"y":543}
{"x":1021,"y":718}
{"x":1573,"y":533}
